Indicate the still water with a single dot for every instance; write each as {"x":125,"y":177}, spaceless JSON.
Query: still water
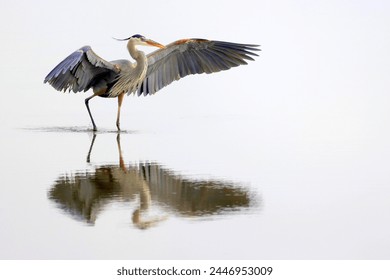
{"x":207,"y":187}
{"x":71,"y":193}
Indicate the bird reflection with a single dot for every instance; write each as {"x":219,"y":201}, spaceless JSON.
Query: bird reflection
{"x":83,"y":194}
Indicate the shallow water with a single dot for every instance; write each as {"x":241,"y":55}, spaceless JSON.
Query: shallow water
{"x":194,"y":191}
{"x":74,"y":193}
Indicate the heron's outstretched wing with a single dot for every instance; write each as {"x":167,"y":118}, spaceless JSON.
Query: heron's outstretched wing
{"x":192,"y":56}
{"x":80,"y":71}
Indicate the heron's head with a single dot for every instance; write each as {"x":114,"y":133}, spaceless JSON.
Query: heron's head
{"x":142,"y":41}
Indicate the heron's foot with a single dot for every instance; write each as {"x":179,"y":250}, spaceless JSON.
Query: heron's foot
{"x":118,"y":126}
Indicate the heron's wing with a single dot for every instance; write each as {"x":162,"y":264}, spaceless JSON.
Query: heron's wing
{"x":80,"y":71}
{"x":192,"y":56}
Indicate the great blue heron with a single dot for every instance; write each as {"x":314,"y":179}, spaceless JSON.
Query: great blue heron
{"x":84,"y":69}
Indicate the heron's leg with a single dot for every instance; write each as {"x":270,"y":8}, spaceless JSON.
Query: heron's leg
{"x":89,"y":111}
{"x":120,"y":99}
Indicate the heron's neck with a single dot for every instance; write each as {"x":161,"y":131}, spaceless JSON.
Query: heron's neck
{"x":136,"y":54}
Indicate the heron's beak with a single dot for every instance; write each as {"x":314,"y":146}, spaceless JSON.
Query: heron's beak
{"x":154,"y":44}
{"x":121,"y":39}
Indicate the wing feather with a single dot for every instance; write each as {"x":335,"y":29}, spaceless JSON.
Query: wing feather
{"x":80,"y":71}
{"x":192,"y":56}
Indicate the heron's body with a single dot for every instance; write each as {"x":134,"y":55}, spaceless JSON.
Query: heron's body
{"x":107,"y":85}
{"x":83,"y":69}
